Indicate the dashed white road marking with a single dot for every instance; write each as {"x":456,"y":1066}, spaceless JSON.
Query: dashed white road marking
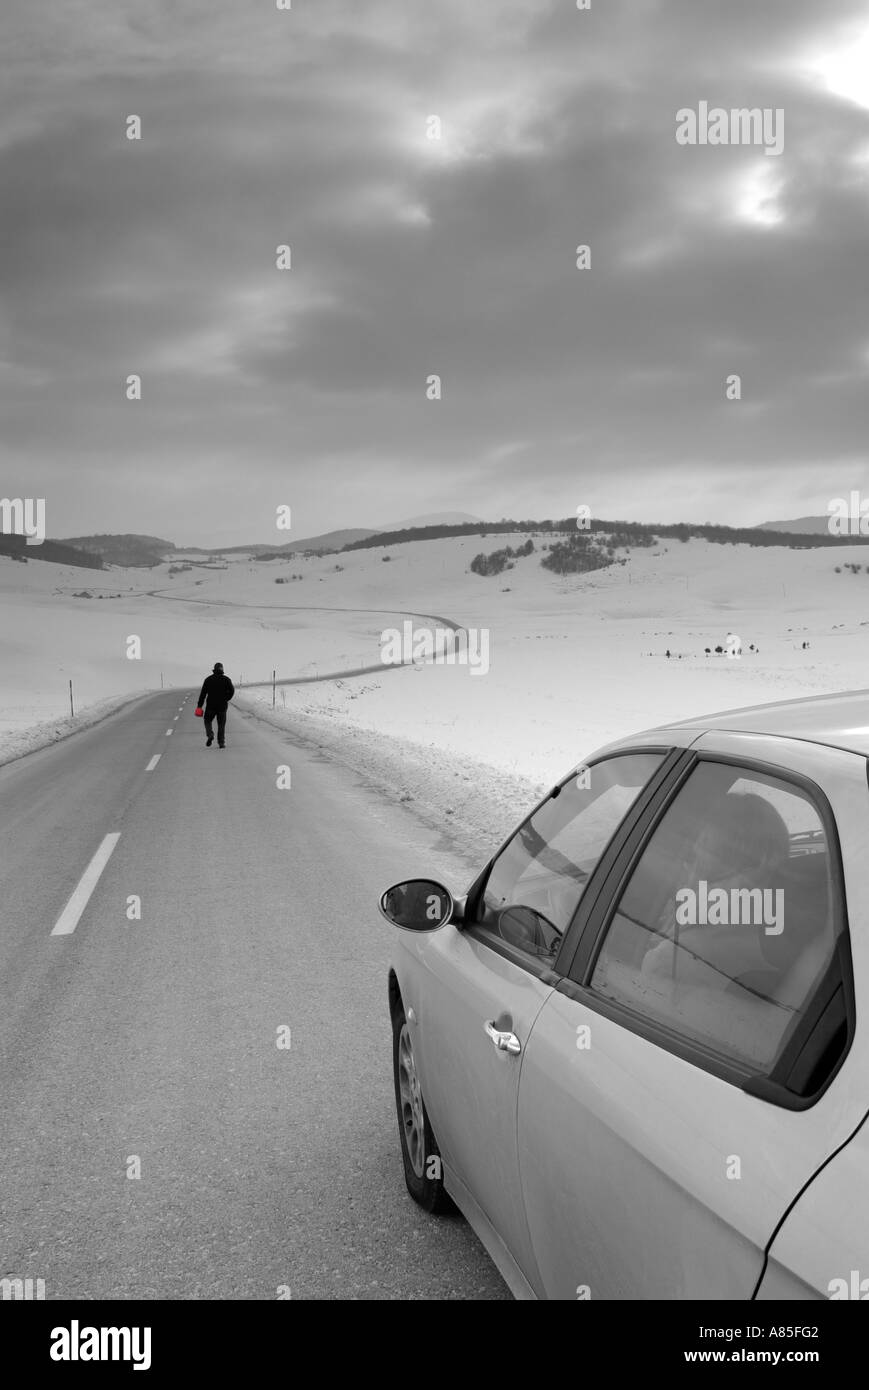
{"x":69,"y":918}
{"x":168,"y":732}
{"x":175,"y":720}
{"x":153,"y":763}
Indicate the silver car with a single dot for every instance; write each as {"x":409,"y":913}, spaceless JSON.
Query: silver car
{"x":631,"y":1052}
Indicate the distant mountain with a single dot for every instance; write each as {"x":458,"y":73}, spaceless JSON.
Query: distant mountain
{"x":800,"y":526}
{"x":430,"y":519}
{"x":53,"y":551}
{"x":338,"y":540}
{"x":137,"y":552}
{"x":331,"y":540}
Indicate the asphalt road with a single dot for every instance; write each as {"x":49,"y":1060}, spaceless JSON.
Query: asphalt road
{"x":262,"y":1167}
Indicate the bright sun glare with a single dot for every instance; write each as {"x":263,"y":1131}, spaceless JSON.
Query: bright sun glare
{"x":845,"y":69}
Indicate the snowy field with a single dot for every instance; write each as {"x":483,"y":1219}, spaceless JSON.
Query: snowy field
{"x":573,"y":662}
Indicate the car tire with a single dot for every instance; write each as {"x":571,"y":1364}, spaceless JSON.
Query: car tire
{"x":423,"y":1168}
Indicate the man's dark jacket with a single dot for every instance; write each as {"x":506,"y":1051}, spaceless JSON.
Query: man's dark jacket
{"x":216,"y":692}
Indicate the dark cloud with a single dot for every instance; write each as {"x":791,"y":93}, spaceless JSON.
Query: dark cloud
{"x":411,"y":257}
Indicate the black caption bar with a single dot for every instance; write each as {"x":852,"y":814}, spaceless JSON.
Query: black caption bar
{"x":157,"y":1340}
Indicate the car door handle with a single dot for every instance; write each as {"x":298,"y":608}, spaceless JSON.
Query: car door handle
{"x":505,"y":1042}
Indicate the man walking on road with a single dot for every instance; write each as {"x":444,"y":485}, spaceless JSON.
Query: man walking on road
{"x":215,"y":695}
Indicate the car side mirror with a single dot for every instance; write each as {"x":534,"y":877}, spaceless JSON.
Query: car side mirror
{"x":418,"y":904}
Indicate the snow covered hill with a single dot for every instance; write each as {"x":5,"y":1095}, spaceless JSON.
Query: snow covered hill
{"x":574,"y":661}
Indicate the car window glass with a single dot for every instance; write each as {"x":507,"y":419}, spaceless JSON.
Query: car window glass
{"x":538,"y":879}
{"x":727,"y":924}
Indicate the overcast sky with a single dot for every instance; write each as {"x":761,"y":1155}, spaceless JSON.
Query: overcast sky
{"x":412,"y":256}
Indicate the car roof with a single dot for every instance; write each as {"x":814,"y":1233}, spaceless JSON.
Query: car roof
{"x":840,"y":721}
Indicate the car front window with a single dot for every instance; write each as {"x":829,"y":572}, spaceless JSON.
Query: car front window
{"x":537,"y":881}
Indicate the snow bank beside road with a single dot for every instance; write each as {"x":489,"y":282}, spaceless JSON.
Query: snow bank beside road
{"x":16,"y":743}
{"x":470,"y":802}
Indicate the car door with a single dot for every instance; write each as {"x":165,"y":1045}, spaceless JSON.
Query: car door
{"x":479,"y":990}
{"x":682,"y":1085}
{"x":821,"y":1250}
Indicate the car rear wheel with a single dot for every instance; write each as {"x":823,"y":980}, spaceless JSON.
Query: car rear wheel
{"x":423,"y":1169}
